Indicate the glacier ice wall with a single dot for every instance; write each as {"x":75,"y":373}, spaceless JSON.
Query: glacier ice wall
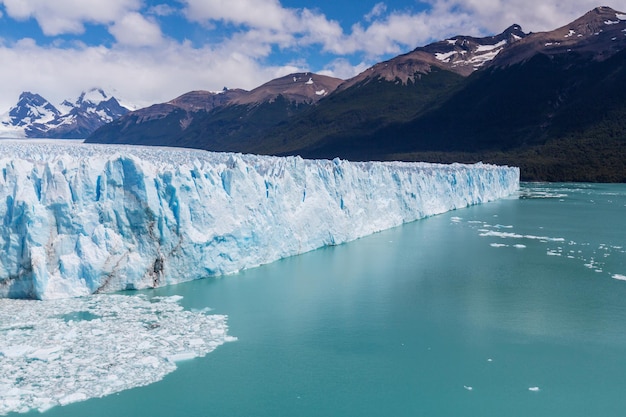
{"x":81,"y":219}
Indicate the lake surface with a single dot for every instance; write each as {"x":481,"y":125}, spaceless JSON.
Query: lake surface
{"x":512,"y":308}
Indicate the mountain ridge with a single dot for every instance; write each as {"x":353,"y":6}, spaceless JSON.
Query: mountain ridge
{"x":35,"y":117}
{"x":235,"y":113}
{"x":512,"y":98}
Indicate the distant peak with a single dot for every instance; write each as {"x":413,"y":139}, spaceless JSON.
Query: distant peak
{"x":28,"y":95}
{"x":515,"y":28}
{"x":93,"y":95}
{"x":602,"y":12}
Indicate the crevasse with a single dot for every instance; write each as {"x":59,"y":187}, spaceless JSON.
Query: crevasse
{"x":81,"y":219}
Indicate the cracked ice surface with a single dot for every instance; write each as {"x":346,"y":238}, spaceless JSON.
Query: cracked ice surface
{"x":56,"y":352}
{"x":80,"y":219}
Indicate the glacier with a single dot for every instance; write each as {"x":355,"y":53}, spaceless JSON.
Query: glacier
{"x":83,"y":219}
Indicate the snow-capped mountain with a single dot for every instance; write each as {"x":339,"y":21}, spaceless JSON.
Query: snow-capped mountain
{"x":466,"y":54}
{"x":30,"y":109}
{"x":460,"y":54}
{"x":35,"y":117}
{"x":227,"y":117}
{"x":597,"y":35}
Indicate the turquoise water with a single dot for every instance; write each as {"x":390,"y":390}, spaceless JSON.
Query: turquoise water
{"x":512,"y":308}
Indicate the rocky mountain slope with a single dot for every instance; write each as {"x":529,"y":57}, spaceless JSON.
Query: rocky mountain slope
{"x":550,"y":102}
{"x":557,"y":111}
{"x":35,"y":117}
{"x":217,"y":120}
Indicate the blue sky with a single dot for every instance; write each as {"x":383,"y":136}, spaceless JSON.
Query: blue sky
{"x":148,"y":51}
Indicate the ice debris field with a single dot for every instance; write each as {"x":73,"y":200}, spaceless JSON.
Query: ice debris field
{"x":84,"y":219}
{"x":57,"y":352}
{"x":597,"y":257}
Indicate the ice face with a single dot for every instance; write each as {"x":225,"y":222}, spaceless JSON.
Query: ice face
{"x":81,"y":219}
{"x":57,"y":352}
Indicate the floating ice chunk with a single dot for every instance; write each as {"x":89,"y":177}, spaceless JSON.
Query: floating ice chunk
{"x":619,"y":277}
{"x":498,"y":245}
{"x":469,"y":388}
{"x":73,"y":398}
{"x":170,"y":299}
{"x":519,"y":246}
{"x":181,"y":356}
{"x":533,"y":389}
{"x":504,"y":235}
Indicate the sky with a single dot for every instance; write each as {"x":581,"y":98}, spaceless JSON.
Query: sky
{"x":151,"y":51}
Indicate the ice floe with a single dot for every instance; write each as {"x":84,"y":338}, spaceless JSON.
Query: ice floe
{"x":511,"y":235}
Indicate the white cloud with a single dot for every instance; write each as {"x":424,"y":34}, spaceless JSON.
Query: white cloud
{"x":68,"y":16}
{"x":268,"y":14}
{"x":377,"y":10}
{"x":266,"y":22}
{"x":162,"y":10}
{"x":533,"y":15}
{"x":315,"y":28}
{"x":342,"y":68}
{"x":135,"y":30}
{"x":142,"y":76}
{"x":400,"y":32}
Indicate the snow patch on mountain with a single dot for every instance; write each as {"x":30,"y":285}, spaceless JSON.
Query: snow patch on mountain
{"x":487,"y":48}
{"x":445,"y":57}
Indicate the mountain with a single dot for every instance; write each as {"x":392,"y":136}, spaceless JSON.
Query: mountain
{"x":597,"y":35}
{"x":35,"y":117}
{"x":219,"y":120}
{"x":391,"y":92}
{"x":553,"y":103}
{"x":30,"y":108}
{"x":235,"y":119}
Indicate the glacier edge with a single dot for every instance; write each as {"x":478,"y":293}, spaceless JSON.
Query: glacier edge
{"x":82,"y":219}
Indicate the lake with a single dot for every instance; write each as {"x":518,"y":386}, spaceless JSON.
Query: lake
{"x":511,"y":308}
